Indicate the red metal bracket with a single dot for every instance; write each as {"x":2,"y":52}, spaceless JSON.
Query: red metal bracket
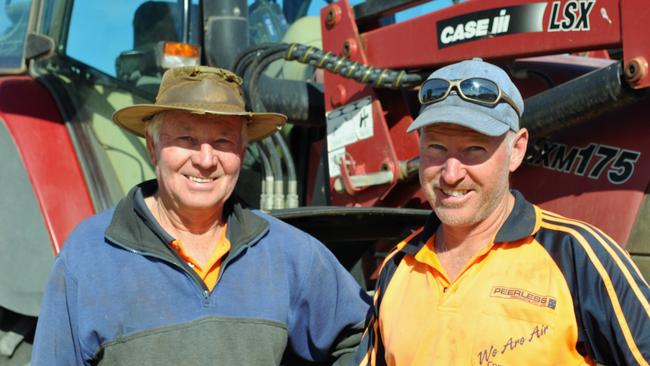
{"x":636,"y":47}
{"x":341,"y":36}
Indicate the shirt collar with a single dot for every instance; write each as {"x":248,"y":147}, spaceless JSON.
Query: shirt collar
{"x":522,"y":222}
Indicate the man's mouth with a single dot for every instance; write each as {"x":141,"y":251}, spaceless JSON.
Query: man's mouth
{"x":199,"y":179}
{"x":454,"y":192}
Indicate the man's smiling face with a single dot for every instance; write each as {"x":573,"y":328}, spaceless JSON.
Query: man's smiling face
{"x":197,"y":159}
{"x":464,"y":174}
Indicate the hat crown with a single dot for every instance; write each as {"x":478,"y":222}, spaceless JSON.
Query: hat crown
{"x":491,"y":120}
{"x":211,"y":88}
{"x":481,"y":69}
{"x":200,"y":90}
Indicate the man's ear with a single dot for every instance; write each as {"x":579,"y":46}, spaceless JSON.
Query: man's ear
{"x":151,"y":148}
{"x":519,"y":146}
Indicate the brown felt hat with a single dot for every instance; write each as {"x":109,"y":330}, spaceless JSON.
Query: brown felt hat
{"x":200,"y":90}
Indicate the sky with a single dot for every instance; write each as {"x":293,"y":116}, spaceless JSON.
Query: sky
{"x":428,"y":7}
{"x":98,"y":43}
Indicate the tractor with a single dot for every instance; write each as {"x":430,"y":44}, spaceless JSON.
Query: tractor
{"x":343,"y":169}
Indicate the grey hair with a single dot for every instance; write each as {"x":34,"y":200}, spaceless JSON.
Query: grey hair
{"x":152,"y":127}
{"x":509,"y":141}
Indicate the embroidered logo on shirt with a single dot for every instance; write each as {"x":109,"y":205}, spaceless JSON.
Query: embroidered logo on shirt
{"x":524,"y":295}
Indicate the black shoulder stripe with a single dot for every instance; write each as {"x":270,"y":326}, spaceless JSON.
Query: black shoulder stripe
{"x":606,"y":249}
{"x":610,"y":254}
{"x":560,"y":248}
{"x":372,"y":339}
{"x":418,"y":241}
{"x":607,"y":241}
{"x":610,"y":298}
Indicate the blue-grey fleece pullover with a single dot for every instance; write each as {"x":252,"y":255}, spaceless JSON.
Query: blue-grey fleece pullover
{"x":119,"y":295}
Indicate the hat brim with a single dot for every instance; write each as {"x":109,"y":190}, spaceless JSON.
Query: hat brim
{"x":460,"y":115}
{"x":259,"y":126}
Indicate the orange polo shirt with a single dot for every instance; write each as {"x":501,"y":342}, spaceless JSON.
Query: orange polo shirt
{"x":546,"y":291}
{"x":209,"y":272}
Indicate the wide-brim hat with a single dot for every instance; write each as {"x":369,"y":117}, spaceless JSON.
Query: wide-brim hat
{"x":200,"y":90}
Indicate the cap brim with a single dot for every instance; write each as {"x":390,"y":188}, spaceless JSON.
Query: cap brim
{"x":259,"y":126}
{"x":463,"y":116}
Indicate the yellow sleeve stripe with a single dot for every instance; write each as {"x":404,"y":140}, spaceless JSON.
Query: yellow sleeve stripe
{"x":618,"y":311}
{"x":538,"y":218}
{"x":606,"y":243}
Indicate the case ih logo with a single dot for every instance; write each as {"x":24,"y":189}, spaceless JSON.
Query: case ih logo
{"x":476,"y":28}
{"x":490,"y":23}
{"x":573,"y":16}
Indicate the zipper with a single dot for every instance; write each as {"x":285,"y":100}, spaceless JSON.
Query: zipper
{"x":188,"y":271}
{"x":236,"y":254}
{"x":205,"y":292}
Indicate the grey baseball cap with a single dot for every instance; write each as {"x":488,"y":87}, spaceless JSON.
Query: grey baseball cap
{"x":488,"y":120}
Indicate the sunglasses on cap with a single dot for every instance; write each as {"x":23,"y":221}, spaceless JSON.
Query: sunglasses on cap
{"x":476,"y":90}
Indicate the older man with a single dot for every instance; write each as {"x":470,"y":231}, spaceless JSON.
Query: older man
{"x":180,"y":273}
{"x":492,"y":279}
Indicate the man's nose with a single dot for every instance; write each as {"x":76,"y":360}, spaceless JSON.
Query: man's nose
{"x":205,"y":157}
{"x":453,"y":171}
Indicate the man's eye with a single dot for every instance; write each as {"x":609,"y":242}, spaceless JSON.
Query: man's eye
{"x":224,"y":140}
{"x":437,"y":147}
{"x":475,"y":149}
{"x":185,"y":138}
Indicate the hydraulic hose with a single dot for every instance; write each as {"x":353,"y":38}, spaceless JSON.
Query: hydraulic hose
{"x":300,"y":105}
{"x":379,"y":78}
{"x":247,"y":56}
{"x":276,"y":165}
{"x":277,"y":94}
{"x":578,"y":100}
{"x":301,"y":101}
{"x":265,"y":59}
{"x":292,"y":182}
{"x":266,"y":199}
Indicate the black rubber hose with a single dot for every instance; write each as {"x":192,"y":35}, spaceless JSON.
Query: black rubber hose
{"x":262,"y":52}
{"x":578,"y":100}
{"x":268,"y":56}
{"x":259,"y":63}
{"x":302,"y":102}
{"x":248,"y":55}
{"x":242,"y":65}
{"x":266,"y":59}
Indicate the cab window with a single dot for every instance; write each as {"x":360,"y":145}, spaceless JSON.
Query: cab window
{"x":14,"y":18}
{"x":104,"y":35}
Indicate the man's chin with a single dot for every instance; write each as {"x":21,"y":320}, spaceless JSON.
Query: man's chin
{"x":452,"y":216}
{"x":196,"y":204}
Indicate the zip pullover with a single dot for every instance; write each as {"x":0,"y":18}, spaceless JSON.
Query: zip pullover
{"x":118,"y":294}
